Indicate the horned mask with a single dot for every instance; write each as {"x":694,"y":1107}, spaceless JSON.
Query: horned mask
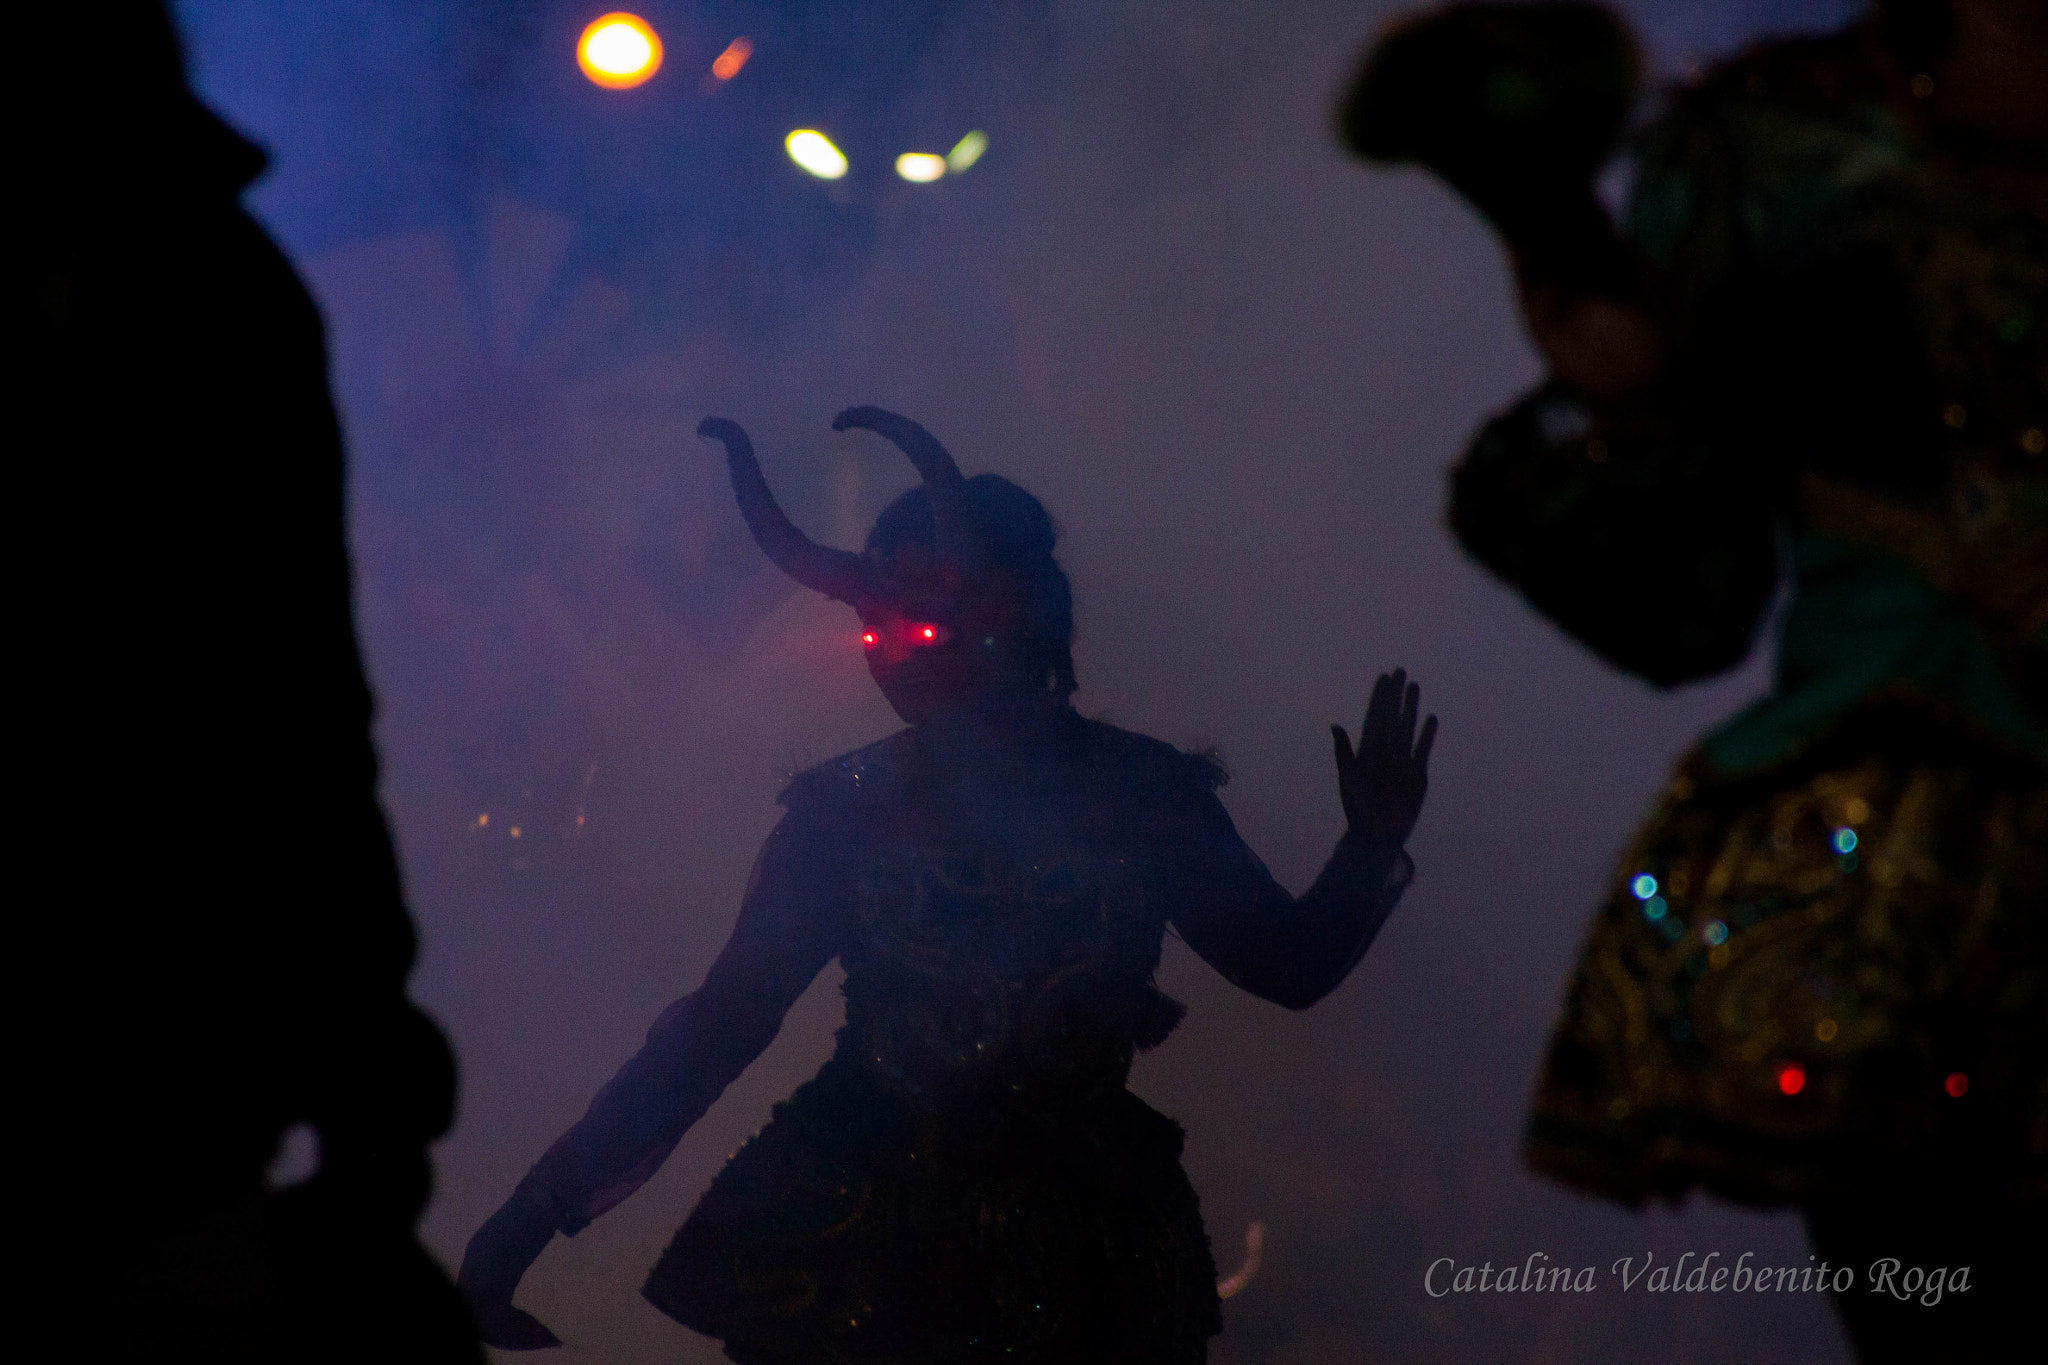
{"x":842,"y":575}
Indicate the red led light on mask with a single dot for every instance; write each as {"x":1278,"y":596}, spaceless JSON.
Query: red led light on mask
{"x":914,"y":634}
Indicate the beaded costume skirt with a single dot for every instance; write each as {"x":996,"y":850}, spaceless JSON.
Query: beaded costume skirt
{"x":1809,"y":977}
{"x":859,"y":1226}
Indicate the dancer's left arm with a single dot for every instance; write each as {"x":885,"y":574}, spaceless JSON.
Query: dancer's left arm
{"x":1294,"y":951}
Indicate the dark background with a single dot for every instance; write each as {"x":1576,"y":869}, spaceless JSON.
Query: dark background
{"x":1233,"y":363}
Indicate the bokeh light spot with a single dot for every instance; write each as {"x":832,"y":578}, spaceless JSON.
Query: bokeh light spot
{"x":1716,"y":933}
{"x":1826,"y":1030}
{"x":813,"y":151}
{"x":967,"y":151}
{"x":618,"y":51}
{"x":1956,"y":1084}
{"x":1654,"y":908}
{"x":920,"y":168}
{"x":1791,"y":1078}
{"x":1643,"y":887}
{"x":1844,"y":840}
{"x":727,"y":64}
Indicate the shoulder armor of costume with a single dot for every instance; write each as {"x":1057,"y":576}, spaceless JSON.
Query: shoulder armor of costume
{"x":1152,"y":762}
{"x":851,"y":775}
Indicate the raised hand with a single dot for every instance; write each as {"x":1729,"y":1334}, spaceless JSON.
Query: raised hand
{"x":1383,"y":781}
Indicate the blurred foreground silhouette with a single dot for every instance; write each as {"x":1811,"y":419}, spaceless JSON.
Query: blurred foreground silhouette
{"x":1818,"y":977}
{"x":226,"y":943}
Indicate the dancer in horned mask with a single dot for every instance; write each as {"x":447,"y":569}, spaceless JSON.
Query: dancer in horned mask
{"x":1818,"y":976}
{"x":967,"y":1178}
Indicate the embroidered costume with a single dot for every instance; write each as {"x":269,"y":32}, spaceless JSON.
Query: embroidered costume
{"x":1823,"y":955}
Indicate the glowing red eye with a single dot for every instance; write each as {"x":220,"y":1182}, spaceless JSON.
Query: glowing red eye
{"x":867,"y":639}
{"x":929,"y":633}
{"x":923,"y":633}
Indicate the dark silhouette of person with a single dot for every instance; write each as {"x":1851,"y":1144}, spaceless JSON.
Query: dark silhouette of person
{"x":224,"y":938}
{"x":967,"y":1178}
{"x":1818,"y":977}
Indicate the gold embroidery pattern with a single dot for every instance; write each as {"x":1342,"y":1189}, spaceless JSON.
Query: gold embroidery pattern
{"x":1793,"y":976}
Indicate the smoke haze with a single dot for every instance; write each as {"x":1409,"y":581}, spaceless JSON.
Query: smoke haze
{"x":1232,"y":362}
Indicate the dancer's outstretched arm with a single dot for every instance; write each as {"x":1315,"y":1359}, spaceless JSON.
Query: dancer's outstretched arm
{"x":787,"y":932}
{"x":1295,"y":951}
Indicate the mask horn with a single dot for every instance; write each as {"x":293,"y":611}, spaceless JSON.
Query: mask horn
{"x":952,"y":514}
{"x":838,"y":574}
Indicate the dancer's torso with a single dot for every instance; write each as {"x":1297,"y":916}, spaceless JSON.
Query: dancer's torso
{"x":1005,"y":913}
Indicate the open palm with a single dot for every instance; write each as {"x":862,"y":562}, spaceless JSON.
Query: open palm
{"x":1383,"y":781}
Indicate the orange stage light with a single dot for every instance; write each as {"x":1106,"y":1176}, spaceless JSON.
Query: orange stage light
{"x":618,"y":51}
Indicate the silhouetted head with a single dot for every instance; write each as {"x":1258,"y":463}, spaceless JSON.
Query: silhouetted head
{"x":1504,"y":100}
{"x":963,"y":607}
{"x":1005,"y":634}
